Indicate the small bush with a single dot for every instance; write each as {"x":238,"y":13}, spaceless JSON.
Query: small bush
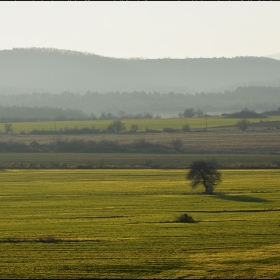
{"x":185,"y":218}
{"x":177,"y":144}
{"x":49,"y":239}
{"x":244,"y":114}
{"x":186,"y":128}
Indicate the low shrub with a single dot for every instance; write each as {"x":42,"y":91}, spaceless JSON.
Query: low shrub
{"x":186,"y":128}
{"x":49,"y":239}
{"x":185,"y":218}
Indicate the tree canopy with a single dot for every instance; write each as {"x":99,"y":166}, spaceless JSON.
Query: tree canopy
{"x":205,"y":173}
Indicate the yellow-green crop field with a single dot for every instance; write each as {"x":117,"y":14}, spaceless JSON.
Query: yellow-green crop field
{"x":153,"y":124}
{"x":121,"y":224}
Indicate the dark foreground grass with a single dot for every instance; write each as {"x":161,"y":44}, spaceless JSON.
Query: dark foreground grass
{"x":132,"y":160}
{"x":124,"y":224}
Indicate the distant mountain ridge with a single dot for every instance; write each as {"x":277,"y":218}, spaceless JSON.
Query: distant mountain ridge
{"x":55,"y":71}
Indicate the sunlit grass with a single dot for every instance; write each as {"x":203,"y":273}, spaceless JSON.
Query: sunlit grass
{"x":121,"y":224}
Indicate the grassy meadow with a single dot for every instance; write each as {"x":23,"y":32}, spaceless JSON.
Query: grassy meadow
{"x":152,"y":124}
{"x":123,"y":224}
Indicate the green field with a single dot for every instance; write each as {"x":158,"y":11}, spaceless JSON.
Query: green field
{"x":152,"y":124}
{"x":122,"y":224}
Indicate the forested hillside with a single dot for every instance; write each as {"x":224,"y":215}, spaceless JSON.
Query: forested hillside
{"x":55,"y":71}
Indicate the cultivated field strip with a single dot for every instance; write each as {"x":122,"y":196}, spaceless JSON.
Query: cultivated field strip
{"x":152,"y":124}
{"x":225,"y":142}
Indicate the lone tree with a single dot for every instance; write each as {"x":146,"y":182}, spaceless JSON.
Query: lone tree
{"x":8,"y":128}
{"x":205,"y":173}
{"x":134,"y":127}
{"x":243,"y":124}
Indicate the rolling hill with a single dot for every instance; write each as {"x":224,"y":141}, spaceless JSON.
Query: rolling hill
{"x":55,"y":71}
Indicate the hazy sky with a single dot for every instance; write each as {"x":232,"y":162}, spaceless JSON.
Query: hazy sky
{"x":144,"y":29}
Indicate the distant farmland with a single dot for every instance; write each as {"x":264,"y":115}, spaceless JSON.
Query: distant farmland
{"x":152,"y":124}
{"x":151,"y":146}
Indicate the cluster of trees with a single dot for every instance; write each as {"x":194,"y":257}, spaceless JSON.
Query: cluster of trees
{"x":245,"y":113}
{"x":35,"y":114}
{"x":191,"y":113}
{"x":273,"y":112}
{"x":22,"y":113}
{"x":123,"y":115}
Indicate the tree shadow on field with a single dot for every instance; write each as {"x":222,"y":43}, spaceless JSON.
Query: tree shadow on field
{"x":240,"y":198}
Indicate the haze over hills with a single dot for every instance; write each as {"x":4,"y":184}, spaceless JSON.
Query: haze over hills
{"x":274,"y":56}
{"x":56,"y":71}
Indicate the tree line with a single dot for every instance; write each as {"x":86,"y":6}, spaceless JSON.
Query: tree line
{"x":138,"y":104}
{"x":116,"y":126}
{"x":39,"y":114}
